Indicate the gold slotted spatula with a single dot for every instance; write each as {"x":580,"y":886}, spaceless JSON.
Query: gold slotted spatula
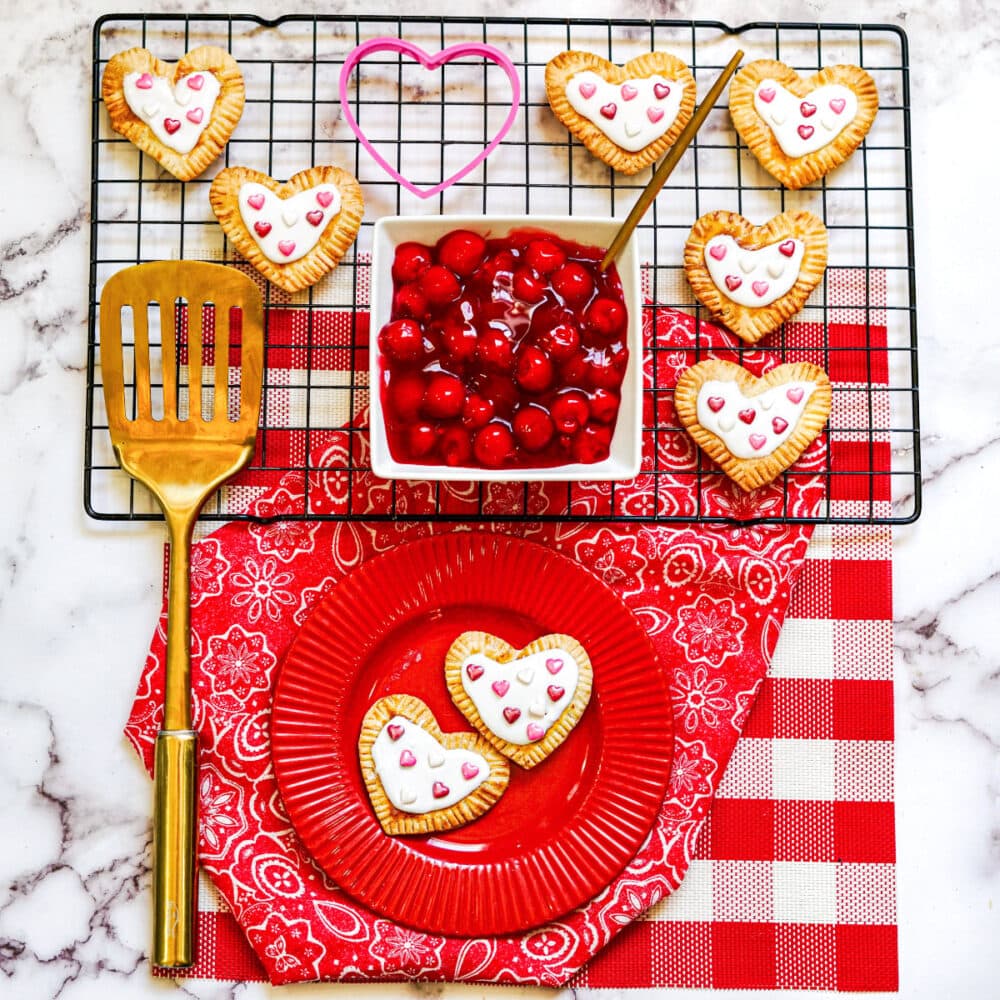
{"x":183,"y":459}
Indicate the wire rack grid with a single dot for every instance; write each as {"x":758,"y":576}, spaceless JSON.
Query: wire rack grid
{"x":860,"y":324}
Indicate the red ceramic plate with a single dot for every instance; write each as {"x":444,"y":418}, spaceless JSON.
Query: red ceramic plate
{"x":561,"y":831}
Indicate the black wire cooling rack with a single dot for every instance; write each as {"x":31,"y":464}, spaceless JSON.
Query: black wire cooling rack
{"x":860,"y":324}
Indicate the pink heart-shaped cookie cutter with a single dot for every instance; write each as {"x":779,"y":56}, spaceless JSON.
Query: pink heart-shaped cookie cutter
{"x":429,"y":62}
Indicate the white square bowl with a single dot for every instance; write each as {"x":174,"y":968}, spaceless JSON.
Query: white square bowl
{"x":626,"y":445}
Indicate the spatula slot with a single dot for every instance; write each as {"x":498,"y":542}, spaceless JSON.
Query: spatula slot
{"x":152,"y":339}
{"x":234,"y":367}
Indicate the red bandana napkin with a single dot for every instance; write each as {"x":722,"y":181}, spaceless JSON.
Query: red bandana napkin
{"x":712,"y":599}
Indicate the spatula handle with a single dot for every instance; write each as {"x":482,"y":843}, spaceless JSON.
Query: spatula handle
{"x":174,"y":831}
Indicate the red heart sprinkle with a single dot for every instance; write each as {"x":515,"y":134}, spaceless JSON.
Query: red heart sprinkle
{"x":661,"y":90}
{"x":324,"y":198}
{"x":760,"y":288}
{"x":287,"y":247}
{"x":757,"y":441}
{"x":511,"y":714}
{"x":787,"y":248}
{"x":837,"y":104}
{"x":439,"y":790}
{"x":718,"y":251}
{"x":805,"y":131}
{"x":733,"y":282}
{"x":469,"y":771}
{"x":145,"y":82}
{"x":609,"y":110}
{"x":262,"y":228}
{"x":654,"y":114}
{"x":196,"y":82}
{"x":395,"y":730}
{"x":766,"y":94}
{"x":195,"y":115}
{"x":535,"y":731}
{"x":475,"y":671}
{"x":315,"y":217}
{"x":171,"y":125}
{"x":587,"y":90}
{"x":779,"y":424}
{"x":553,"y":665}
{"x":628,"y":92}
{"x":748,"y":415}
{"x":716,"y":403}
{"x":407,"y":759}
{"x":256,"y":201}
{"x":795,"y":394}
{"x":500,"y":687}
{"x":807,"y":109}
{"x":555,"y":692}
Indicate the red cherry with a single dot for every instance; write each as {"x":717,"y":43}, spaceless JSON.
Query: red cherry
{"x":501,"y":392}
{"x":502,"y":263}
{"x":560,"y":342}
{"x":445,"y":396}
{"x":604,"y":405}
{"x":533,"y":427}
{"x":494,"y":444}
{"x":411,"y":260}
{"x":406,"y":394}
{"x":422,"y":438}
{"x":477,"y":411}
{"x":440,"y":285}
{"x":574,"y":369}
{"x":402,"y":340}
{"x":534,"y":369}
{"x":455,"y":446}
{"x":606,"y":317}
{"x":458,"y":340}
{"x":495,"y":350}
{"x":591,"y":444}
{"x":462,"y":252}
{"x":570,"y":411}
{"x":573,"y":283}
{"x":410,"y":301}
{"x":544,"y":256}
{"x":603,"y":371}
{"x":528,"y":287}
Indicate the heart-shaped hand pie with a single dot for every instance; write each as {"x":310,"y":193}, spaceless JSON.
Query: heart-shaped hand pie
{"x":753,"y":278}
{"x":293,"y":233}
{"x":755,"y":428}
{"x":419,"y":779}
{"x":524,"y":701}
{"x":181,"y":115}
{"x":802,"y":129}
{"x":627,"y":115}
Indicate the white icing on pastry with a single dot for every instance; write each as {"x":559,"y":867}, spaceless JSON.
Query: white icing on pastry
{"x":419,"y":775}
{"x":177,"y":115}
{"x":631,"y":114}
{"x":286,"y":229}
{"x":804,"y":124}
{"x":752,"y":427}
{"x":521,"y":706}
{"x":753,"y":278}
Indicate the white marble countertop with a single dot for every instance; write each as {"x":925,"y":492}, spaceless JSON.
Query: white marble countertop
{"x":78,"y":598}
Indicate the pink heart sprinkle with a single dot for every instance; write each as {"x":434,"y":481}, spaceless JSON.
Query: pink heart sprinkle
{"x":587,"y":90}
{"x":733,"y":282}
{"x":716,"y":403}
{"x":757,"y":441}
{"x":535,"y":731}
{"x":805,"y":131}
{"x":553,"y":665}
{"x":171,"y":125}
{"x":439,"y":790}
{"x":760,"y":288}
{"x":500,"y":688}
{"x":654,"y":114}
{"x":262,"y":228}
{"x":748,"y":415}
{"x":395,"y":731}
{"x":779,"y":424}
{"x":145,"y":82}
{"x":475,"y":671}
{"x":287,"y":247}
{"x":807,"y":109}
{"x":315,"y":217}
{"x":555,"y":692}
{"x":609,"y":110}
{"x":787,"y":248}
{"x":407,"y":759}
{"x":718,"y":251}
{"x":795,"y":394}
{"x":196,"y":82}
{"x":837,"y":104}
{"x":469,"y":771}
{"x":766,"y":94}
{"x":256,"y":201}
{"x":661,"y":90}
{"x":628,"y":92}
{"x":196,"y":115}
{"x":511,"y":714}
{"x":324,"y":198}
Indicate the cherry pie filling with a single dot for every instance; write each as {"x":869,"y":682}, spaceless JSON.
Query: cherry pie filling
{"x":502,"y":353}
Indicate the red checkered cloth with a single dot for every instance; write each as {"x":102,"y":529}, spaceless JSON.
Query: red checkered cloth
{"x":789,"y":884}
